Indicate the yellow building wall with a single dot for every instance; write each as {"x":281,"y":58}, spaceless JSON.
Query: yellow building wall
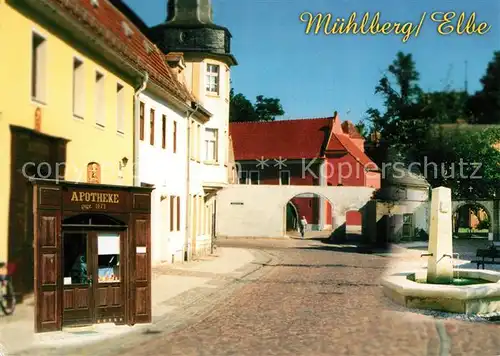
{"x":88,"y":142}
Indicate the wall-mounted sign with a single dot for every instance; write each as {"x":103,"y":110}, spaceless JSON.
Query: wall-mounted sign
{"x":92,"y":200}
{"x":140,"y":249}
{"x":108,"y":244}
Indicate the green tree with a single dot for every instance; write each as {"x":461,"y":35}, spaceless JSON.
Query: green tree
{"x":484,"y":105}
{"x":240,"y":108}
{"x":443,"y":107}
{"x":265,"y":109}
{"x":401,"y":122}
{"x":416,"y":125}
{"x":362,"y":129}
{"x":464,"y":159}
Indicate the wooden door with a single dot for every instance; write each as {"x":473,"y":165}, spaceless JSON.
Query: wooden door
{"x":139,"y":270}
{"x":78,"y":278}
{"x":47,"y":258}
{"x":28,"y":151}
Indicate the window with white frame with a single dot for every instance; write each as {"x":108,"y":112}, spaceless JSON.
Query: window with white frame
{"x":211,"y":139}
{"x":39,"y":68}
{"x":120,"y":108}
{"x":100,"y":108}
{"x":212,"y":78}
{"x":254,"y":178}
{"x":285,"y":177}
{"x":78,"y":88}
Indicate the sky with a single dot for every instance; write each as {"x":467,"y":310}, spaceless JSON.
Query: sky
{"x":315,"y":75}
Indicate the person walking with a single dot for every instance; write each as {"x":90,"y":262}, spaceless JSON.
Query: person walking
{"x":303,"y":224}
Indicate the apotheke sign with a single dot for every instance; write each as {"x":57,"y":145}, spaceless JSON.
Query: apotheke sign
{"x":95,"y":197}
{"x":92,"y":200}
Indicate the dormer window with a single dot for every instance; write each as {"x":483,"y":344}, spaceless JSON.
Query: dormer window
{"x":126,"y":28}
{"x":148,"y":47}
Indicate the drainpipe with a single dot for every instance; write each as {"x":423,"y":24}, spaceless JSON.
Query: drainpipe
{"x":190,"y":114}
{"x":137,"y":128}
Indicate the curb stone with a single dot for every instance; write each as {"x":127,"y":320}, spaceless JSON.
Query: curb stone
{"x":190,"y":310}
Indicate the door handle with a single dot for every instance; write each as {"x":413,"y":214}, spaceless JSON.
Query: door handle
{"x":89,"y":280}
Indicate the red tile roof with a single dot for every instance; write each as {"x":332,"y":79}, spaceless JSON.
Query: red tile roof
{"x":343,"y":143}
{"x":290,"y":139}
{"x":106,"y":21}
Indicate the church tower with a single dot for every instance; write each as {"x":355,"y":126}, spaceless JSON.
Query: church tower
{"x":189,"y":27}
{"x":201,"y":50}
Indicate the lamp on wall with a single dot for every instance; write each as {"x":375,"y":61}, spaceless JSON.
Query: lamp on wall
{"x":123,"y":163}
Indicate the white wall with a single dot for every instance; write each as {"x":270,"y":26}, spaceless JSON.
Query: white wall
{"x":167,"y":171}
{"x":202,"y":173}
{"x":259,"y":210}
{"x":218,"y":105}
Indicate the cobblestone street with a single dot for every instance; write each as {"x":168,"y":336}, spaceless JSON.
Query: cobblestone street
{"x":309,"y":298}
{"x":313,"y":300}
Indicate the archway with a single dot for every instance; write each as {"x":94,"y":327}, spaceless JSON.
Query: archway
{"x":315,"y":208}
{"x":292,"y":217}
{"x":472,"y":220}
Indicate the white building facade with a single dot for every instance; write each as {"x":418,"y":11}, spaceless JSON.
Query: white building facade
{"x":163,"y":164}
{"x":205,"y":47}
{"x":179,"y":221}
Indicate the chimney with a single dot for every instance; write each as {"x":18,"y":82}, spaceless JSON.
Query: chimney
{"x":350,"y":130}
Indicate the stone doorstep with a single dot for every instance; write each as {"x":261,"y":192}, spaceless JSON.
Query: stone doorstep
{"x":75,"y":336}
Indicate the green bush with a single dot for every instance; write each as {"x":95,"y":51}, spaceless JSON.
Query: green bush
{"x":483,"y":224}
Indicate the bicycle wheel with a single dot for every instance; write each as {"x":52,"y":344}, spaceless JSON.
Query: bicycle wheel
{"x":8,"y":300}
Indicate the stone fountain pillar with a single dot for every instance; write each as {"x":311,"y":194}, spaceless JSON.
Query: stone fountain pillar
{"x":440,"y":263}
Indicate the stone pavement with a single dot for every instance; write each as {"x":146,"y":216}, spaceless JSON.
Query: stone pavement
{"x":172,"y":285}
{"x":315,"y":299}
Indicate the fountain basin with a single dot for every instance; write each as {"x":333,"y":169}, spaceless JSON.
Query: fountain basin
{"x":408,"y":290}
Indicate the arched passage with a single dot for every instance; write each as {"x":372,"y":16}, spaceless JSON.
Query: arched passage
{"x":315,"y":208}
{"x":260,"y":210}
{"x":292,"y":217}
{"x":472,"y":219}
